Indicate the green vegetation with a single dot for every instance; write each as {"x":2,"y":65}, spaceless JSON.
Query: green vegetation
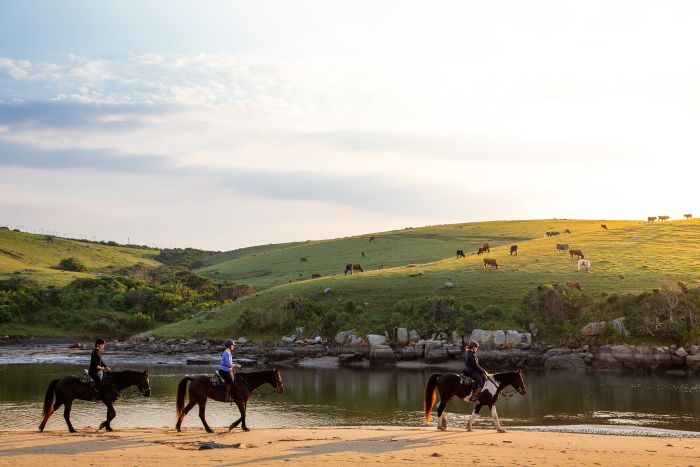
{"x":71,"y":264}
{"x":629,"y":260}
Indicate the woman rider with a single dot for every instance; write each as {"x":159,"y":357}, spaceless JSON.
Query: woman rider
{"x":97,"y":366}
{"x":226,"y":367}
{"x":473,"y":369}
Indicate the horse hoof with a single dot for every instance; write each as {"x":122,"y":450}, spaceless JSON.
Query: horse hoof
{"x":109,"y":429}
{"x":246,"y":429}
{"x":501,"y":430}
{"x":210,"y":431}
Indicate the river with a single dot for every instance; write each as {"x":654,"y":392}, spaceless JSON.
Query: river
{"x":389,"y":396}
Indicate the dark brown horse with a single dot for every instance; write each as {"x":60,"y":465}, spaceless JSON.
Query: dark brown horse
{"x":202,"y":389}
{"x":451,"y":384}
{"x":349,"y":268}
{"x":69,"y":388}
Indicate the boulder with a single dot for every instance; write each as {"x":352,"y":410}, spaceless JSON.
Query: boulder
{"x":346,"y":358}
{"x":513,"y":338}
{"x":381,"y":355}
{"x":419,"y":350}
{"x":568,"y":363}
{"x":289,"y":339}
{"x":680,"y":353}
{"x":413,"y":336}
{"x":694,"y":350}
{"x":326,"y":291}
{"x":692,"y":362}
{"x":402,"y":336}
{"x":376,"y":339}
{"x":436,"y":355}
{"x":593,"y":329}
{"x":499,"y":339}
{"x":356,"y":340}
{"x":241,"y":340}
{"x":318,"y":340}
{"x":618,"y":325}
{"x":456,"y":338}
{"x":454,"y":350}
{"x":408,"y":352}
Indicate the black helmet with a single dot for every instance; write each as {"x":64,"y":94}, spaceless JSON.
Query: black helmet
{"x":229,"y":343}
{"x":99,"y":342}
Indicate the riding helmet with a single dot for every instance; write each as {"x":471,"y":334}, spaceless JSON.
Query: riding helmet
{"x":229,"y":343}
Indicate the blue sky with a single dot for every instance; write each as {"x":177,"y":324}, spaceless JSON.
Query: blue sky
{"x":226,"y":124}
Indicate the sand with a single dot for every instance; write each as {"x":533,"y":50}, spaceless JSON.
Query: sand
{"x":341,"y":446}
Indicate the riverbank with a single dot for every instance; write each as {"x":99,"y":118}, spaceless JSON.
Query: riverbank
{"x":342,"y":446}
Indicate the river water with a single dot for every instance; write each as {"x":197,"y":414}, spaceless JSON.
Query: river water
{"x":391,"y":396}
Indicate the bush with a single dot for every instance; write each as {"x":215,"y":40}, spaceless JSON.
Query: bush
{"x":71,"y":264}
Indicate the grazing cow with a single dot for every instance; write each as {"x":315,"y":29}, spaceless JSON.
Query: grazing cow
{"x":460,"y":254}
{"x":363,"y":254}
{"x":315,"y":276}
{"x":490,"y":262}
{"x":567,"y":231}
{"x":514,"y":250}
{"x":664,"y":218}
{"x":303,"y":259}
{"x":577,"y":253}
{"x":562,"y":247}
{"x":688,"y":216}
{"x":551,"y":233}
{"x":603,"y":227}
{"x":651,"y":219}
{"x":573,"y":284}
{"x":486,"y":248}
{"x":583,"y":263}
{"x":349,"y":268}
{"x":372,"y":238}
{"x":480,"y":252}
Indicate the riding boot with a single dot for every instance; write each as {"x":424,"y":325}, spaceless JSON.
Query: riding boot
{"x":475,"y":394}
{"x":227,"y":398}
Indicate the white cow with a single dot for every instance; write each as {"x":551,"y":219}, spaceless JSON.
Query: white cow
{"x":584,"y":263}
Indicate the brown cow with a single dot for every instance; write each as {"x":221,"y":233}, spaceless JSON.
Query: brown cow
{"x":567,"y":231}
{"x":664,"y":218}
{"x":603,"y":227}
{"x":514,"y":250}
{"x":688,"y":216}
{"x":573,"y":284}
{"x":371,"y":239}
{"x":577,"y":253}
{"x":486,"y":248}
{"x":349,"y":268}
{"x":651,"y":219}
{"x":551,"y":233}
{"x":315,"y":276}
{"x":562,"y":247}
{"x":303,"y":259}
{"x":490,"y":262}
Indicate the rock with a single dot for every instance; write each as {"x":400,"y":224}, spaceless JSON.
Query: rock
{"x":289,"y":339}
{"x":408,"y":352}
{"x":419,"y":350}
{"x":618,"y":325}
{"x":355,"y":340}
{"x":694,"y":350}
{"x":436,"y":355}
{"x":376,"y":339}
{"x":456,"y":338}
{"x":454,"y":350}
{"x":151,"y":339}
{"x":381,"y":355}
{"x":318,"y":340}
{"x":558,"y":351}
{"x":680,"y":353}
{"x":345,"y":358}
{"x":421,"y":342}
{"x":413,"y":336}
{"x":692,"y":362}
{"x":402,"y":336}
{"x":533,"y":329}
{"x":593,"y":329}
{"x":326,"y":291}
{"x":214,"y":445}
{"x":241,"y":340}
{"x":568,"y":363}
{"x":449,"y":285}
{"x":499,"y":339}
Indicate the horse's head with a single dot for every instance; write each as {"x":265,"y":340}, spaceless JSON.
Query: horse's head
{"x":519,"y":382}
{"x":144,"y":384}
{"x":279,"y":387}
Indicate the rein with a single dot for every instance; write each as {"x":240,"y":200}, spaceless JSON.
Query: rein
{"x":500,"y":392}
{"x":257,"y":392}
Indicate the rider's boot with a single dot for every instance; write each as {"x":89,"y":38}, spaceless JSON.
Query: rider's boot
{"x":475,"y":394}
{"x":227,"y":398}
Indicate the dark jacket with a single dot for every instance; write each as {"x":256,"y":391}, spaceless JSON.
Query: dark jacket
{"x":471,"y":363}
{"x":95,"y":361}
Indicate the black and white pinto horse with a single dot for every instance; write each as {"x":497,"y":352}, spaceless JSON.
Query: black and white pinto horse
{"x":452,"y":384}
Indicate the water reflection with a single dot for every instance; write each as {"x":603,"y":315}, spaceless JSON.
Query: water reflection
{"x":367,"y":397}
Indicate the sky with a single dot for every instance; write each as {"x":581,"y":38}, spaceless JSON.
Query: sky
{"x":225,"y":124}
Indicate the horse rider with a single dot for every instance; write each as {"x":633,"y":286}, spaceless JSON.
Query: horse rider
{"x":226,"y":367}
{"x":474,"y":370}
{"x":98,"y":367}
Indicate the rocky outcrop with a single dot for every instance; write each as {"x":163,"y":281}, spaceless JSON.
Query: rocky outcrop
{"x":381,"y":355}
{"x":499,"y":340}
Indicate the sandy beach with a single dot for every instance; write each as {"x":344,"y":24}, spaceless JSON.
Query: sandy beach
{"x":342,"y":446}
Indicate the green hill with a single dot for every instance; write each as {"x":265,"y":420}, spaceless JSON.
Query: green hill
{"x":35,"y":256}
{"x":630,"y":257}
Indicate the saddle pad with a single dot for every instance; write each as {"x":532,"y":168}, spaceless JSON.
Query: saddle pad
{"x":85,"y":378}
{"x":216,"y":380}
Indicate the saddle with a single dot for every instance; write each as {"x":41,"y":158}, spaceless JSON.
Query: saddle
{"x":468,"y":382}
{"x":216,"y":380}
{"x":85,"y":378}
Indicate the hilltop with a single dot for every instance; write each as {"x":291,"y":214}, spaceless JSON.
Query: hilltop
{"x":420,"y":264}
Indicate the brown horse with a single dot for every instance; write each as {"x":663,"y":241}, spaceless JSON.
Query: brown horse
{"x":349,"y":268}
{"x":243,"y":387}
{"x":451,"y":384}
{"x":69,"y":388}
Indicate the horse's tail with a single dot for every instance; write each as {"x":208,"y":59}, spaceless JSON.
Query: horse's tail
{"x":430,"y":396}
{"x":48,"y":398}
{"x":181,"y":388}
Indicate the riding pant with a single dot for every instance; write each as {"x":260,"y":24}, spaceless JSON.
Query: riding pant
{"x":226,"y":376}
{"x":476,"y":376}
{"x":97,"y":377}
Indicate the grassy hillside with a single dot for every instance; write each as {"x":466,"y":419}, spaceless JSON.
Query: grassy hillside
{"x":34,"y":256}
{"x":630,"y":257}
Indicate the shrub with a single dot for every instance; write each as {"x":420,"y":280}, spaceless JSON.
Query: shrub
{"x":71,"y":264}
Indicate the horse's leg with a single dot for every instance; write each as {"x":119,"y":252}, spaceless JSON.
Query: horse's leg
{"x":54,"y":407}
{"x":202,"y":407}
{"x":473,"y":416}
{"x":66,"y":415}
{"x":111,"y":413}
{"x":442,"y":420}
{"x":185,"y":411}
{"x":242,"y":406}
{"x":494,"y":415}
